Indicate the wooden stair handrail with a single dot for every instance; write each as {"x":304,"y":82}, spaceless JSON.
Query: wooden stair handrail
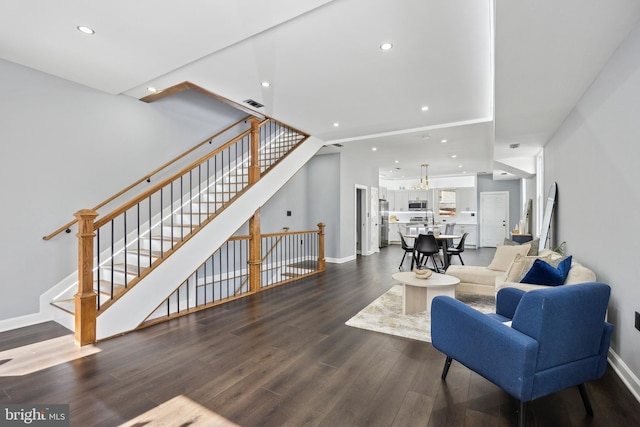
{"x":113,"y":214}
{"x":147,"y":177}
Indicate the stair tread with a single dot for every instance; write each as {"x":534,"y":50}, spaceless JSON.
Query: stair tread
{"x":68,"y":306}
{"x":131,"y":269}
{"x":146,"y":252}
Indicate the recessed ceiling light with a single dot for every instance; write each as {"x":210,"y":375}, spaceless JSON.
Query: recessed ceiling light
{"x":453,"y":156}
{"x":386,"y":46}
{"x":397,"y":161}
{"x":85,"y":29}
{"x":459,"y":166}
{"x":265,"y":84}
{"x":152,"y":89}
{"x":424,"y":108}
{"x":444,"y":141}
{"x":336,"y":124}
{"x":373,"y":149}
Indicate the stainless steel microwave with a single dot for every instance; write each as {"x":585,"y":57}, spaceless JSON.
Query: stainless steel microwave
{"x":417,"y":205}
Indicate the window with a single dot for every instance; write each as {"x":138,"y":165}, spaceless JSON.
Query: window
{"x":447,"y":202}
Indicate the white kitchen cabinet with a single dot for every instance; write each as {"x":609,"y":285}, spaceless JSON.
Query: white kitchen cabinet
{"x":417,"y":195}
{"x":472,"y":238}
{"x":391,"y":198}
{"x":394,"y":237}
{"x":466,"y":199}
{"x":401,"y":200}
{"x":383,"y":193}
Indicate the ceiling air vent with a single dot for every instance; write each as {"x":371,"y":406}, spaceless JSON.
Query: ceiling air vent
{"x":337,"y":145}
{"x":514,"y":145}
{"x":253,"y":103}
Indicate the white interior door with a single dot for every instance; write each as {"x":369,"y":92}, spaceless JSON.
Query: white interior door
{"x":494,"y":218}
{"x":374,"y":245}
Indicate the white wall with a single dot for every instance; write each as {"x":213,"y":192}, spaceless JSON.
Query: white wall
{"x":593,"y":158}
{"x":352,"y":171}
{"x":486,"y":183}
{"x":66,"y":147}
{"x":312,"y":196}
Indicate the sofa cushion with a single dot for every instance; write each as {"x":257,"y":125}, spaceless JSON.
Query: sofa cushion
{"x":533,"y":250}
{"x":521,"y":266}
{"x":543,"y":273}
{"x":475,"y":274}
{"x":579,"y":274}
{"x":505,"y":255}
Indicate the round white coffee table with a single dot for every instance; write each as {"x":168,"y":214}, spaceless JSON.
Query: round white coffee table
{"x":418,"y":293}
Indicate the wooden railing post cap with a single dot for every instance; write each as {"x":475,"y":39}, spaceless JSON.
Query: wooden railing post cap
{"x":86,"y":213}
{"x":321,"y":225}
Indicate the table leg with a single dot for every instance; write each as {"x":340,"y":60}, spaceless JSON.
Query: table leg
{"x":414,"y":299}
{"x":433,"y":292}
{"x":445,"y":258}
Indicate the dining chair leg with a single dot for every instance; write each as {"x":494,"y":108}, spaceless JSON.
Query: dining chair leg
{"x":402,"y":262}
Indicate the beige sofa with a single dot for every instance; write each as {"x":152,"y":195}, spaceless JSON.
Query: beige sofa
{"x":488,"y":281}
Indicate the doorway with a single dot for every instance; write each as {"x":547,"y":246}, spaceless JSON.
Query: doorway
{"x":361,"y":219}
{"x":494,"y":218}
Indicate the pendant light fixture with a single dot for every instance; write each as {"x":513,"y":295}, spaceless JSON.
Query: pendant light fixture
{"x":424,"y":177}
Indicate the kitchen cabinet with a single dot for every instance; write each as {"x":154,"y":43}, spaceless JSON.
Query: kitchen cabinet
{"x":394,"y":237}
{"x":472,"y":238}
{"x":466,"y":199}
{"x":401,"y":200}
{"x":391,"y":198}
{"x":417,"y":194}
{"x":382,"y":193}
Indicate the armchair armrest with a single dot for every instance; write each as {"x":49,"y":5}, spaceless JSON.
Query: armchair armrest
{"x":507,"y":300}
{"x":499,"y":353}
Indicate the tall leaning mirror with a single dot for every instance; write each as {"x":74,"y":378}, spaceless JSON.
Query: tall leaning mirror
{"x":546,"y":219}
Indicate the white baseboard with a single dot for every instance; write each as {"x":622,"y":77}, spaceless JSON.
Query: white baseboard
{"x":340,"y":260}
{"x":626,"y":375}
{"x":22,"y":321}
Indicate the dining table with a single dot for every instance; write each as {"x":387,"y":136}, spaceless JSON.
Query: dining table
{"x":441,"y":238}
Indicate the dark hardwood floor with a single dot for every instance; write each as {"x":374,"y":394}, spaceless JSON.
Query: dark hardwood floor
{"x":285,"y":358}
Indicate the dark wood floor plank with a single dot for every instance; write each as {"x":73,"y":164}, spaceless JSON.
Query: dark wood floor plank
{"x":284,"y":357}
{"x":414,"y":411}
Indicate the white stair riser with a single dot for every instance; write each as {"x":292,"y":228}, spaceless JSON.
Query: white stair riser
{"x":142,"y":259}
{"x":196,"y":219}
{"x":118,"y":276}
{"x":176,"y":232}
{"x":204,"y":207}
{"x":157,"y":244}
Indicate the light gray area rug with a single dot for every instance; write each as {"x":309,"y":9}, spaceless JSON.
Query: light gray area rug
{"x":385,"y":315}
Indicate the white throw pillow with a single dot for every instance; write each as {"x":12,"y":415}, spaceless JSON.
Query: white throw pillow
{"x":505,"y":255}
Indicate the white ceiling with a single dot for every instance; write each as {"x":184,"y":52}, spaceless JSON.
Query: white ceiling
{"x":323,"y":60}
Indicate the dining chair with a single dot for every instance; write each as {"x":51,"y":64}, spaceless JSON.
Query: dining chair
{"x":407,"y":249}
{"x":457,"y":250}
{"x":426,"y":247}
{"x":448,"y":229}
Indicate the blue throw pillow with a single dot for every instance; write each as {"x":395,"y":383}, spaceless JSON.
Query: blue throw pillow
{"x":542,"y":273}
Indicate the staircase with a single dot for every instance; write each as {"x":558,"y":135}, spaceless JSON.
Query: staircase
{"x":176,"y":228}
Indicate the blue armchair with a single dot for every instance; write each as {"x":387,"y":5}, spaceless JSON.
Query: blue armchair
{"x":558,"y":338}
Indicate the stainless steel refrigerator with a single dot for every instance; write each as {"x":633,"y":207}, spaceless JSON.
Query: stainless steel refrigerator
{"x":383,"y":206}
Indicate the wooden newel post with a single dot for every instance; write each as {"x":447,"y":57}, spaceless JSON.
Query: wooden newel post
{"x":255,"y":255}
{"x":254,"y":167}
{"x":321,"y":260}
{"x":85,"y":299}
